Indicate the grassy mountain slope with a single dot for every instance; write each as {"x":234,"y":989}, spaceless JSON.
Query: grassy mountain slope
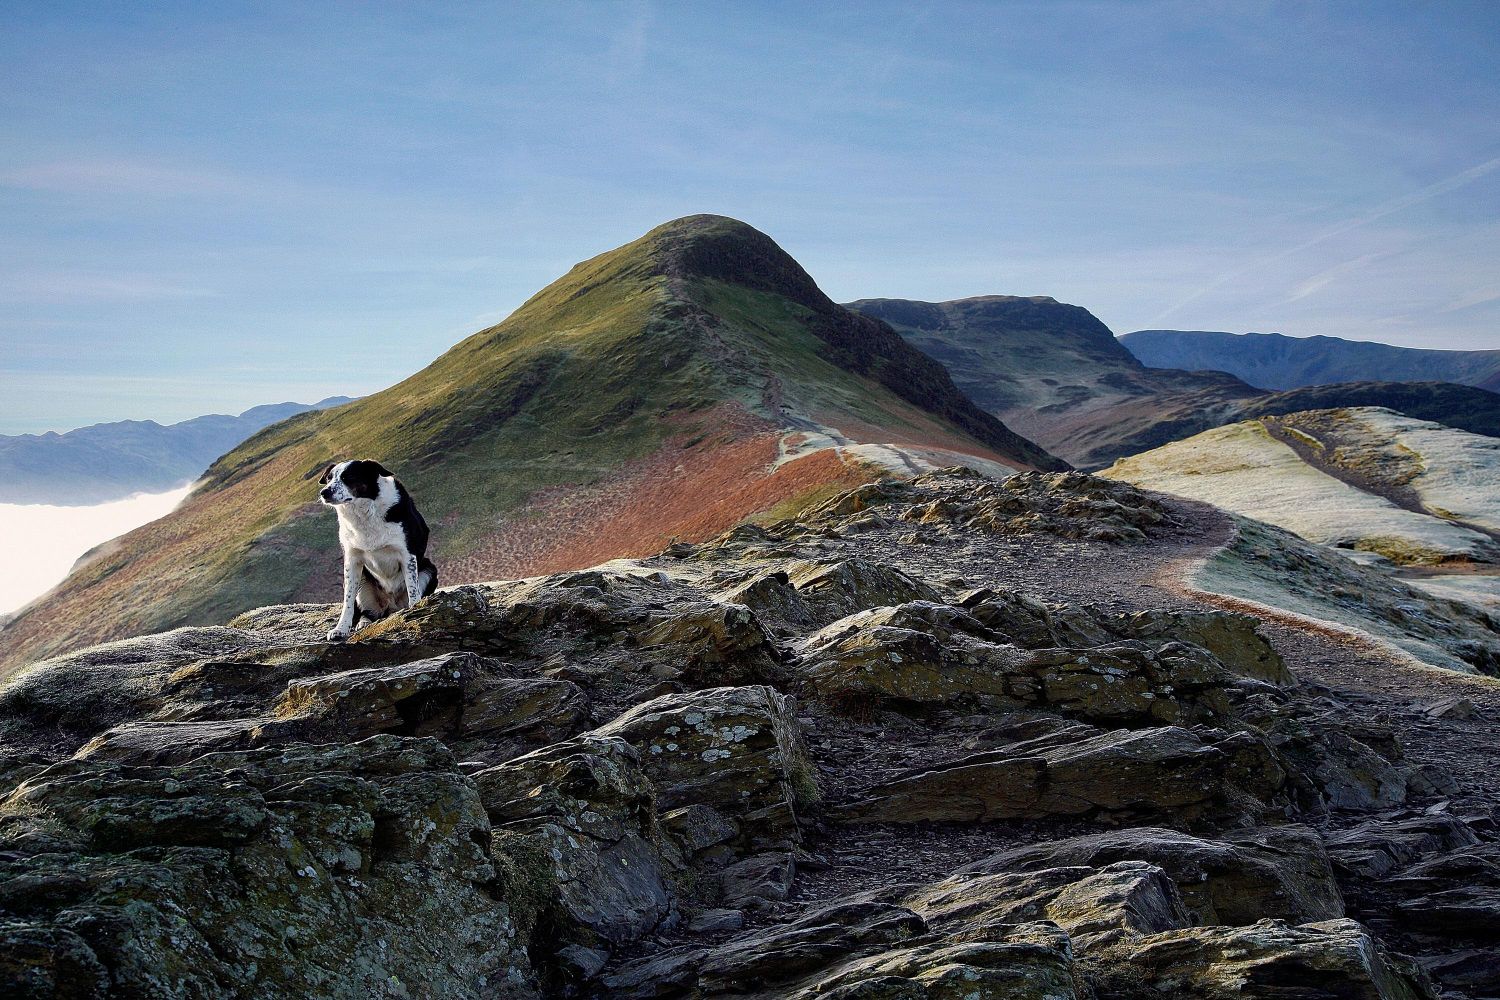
{"x":104,"y":462}
{"x":1344,"y":478}
{"x":1274,"y":361}
{"x":1057,"y":374}
{"x":648,"y":394}
{"x":1450,"y":627}
{"x":1415,"y":504}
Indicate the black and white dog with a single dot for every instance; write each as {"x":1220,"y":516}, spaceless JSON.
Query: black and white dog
{"x":384,"y":539}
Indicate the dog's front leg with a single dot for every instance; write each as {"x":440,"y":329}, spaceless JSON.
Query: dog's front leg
{"x":341,"y":631}
{"x":413,"y":581}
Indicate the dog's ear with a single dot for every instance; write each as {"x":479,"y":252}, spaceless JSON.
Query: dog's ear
{"x":327,"y":472}
{"x":381,"y":470}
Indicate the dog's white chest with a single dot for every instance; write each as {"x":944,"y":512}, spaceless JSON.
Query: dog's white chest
{"x":388,"y":565}
{"x":380,"y":544}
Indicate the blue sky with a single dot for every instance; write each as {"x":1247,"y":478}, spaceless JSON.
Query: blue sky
{"x":208,"y":206}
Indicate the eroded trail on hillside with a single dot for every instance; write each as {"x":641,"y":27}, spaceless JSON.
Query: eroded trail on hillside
{"x":945,"y":738}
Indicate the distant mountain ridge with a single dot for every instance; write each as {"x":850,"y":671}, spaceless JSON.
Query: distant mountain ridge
{"x":1276,"y":361}
{"x":1055,"y":373}
{"x":109,"y":461}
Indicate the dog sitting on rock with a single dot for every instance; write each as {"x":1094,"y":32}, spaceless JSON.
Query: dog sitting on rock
{"x":384,"y":540}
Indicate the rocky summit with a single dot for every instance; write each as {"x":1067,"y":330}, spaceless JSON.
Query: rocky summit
{"x":944,"y":737}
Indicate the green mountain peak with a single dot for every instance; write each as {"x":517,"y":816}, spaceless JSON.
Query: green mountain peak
{"x":668,"y":388}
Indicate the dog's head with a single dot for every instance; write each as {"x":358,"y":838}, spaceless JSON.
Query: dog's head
{"x":346,"y":481}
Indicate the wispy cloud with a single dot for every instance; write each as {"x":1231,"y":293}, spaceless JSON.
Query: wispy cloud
{"x":1323,"y":279}
{"x":626,"y":57}
{"x":1381,"y":211}
{"x":121,"y":176}
{"x":1395,"y":205}
{"x":66,"y":286}
{"x":1477,"y":297}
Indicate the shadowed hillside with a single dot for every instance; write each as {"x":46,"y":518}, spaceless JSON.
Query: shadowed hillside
{"x":1462,"y":406}
{"x":1055,"y":373}
{"x":669,"y":388}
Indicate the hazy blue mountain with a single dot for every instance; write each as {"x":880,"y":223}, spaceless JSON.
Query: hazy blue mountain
{"x":104,"y":462}
{"x":1274,"y":361}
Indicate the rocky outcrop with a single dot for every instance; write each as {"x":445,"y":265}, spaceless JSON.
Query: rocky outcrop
{"x":1430,"y":882}
{"x":1066,"y":504}
{"x":1240,"y":877}
{"x":1335,"y":766}
{"x":862,"y":948}
{"x":734,"y":750}
{"x":1165,"y":773}
{"x":589,"y":617}
{"x":833,"y":590}
{"x":920,"y":652}
{"x":458,"y":696}
{"x":782,"y":764}
{"x":1120,"y":928}
{"x":584,"y":813}
{"x":466,"y":700}
{"x":802,"y":593}
{"x":926,"y":653}
{"x":1269,"y":958}
{"x":1231,"y":638}
{"x":61,"y":703}
{"x":335,"y":871}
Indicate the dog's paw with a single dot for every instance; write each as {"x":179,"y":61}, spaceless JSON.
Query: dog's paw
{"x":337,"y":634}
